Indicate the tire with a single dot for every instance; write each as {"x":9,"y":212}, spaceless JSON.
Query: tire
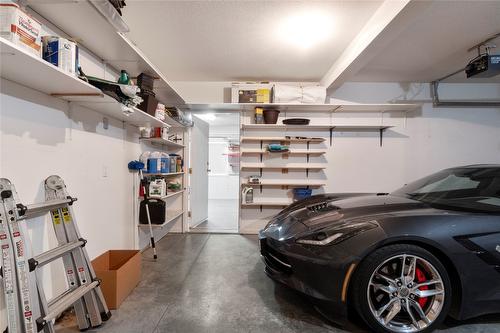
{"x":377,"y":283}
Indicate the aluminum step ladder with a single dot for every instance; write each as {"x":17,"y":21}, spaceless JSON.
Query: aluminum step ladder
{"x":28,"y":310}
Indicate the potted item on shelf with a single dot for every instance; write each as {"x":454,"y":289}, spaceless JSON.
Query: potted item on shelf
{"x":271,"y":116}
{"x":301,"y":193}
{"x":248,"y":194}
{"x":296,"y":121}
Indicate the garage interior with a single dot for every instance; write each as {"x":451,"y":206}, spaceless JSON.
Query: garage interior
{"x":179,"y":176}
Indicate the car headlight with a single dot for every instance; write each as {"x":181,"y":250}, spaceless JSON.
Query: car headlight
{"x":337,"y":234}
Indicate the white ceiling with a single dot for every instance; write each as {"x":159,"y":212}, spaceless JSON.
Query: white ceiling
{"x":237,"y":40}
{"x":436,"y":43}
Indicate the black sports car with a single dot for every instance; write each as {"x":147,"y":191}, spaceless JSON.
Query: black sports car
{"x":403,"y":261}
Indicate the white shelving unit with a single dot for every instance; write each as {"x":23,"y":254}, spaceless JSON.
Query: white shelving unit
{"x":171,"y":216}
{"x":163,"y":142}
{"x":19,"y":66}
{"x":83,"y":22}
{"x":287,"y":183}
{"x":257,"y":151}
{"x":287,"y":166}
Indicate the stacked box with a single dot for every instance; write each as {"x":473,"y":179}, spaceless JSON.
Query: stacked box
{"x":61,"y":53}
{"x":20,"y":28}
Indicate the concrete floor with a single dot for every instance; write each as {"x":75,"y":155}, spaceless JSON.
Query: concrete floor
{"x":222,"y":217}
{"x":216,"y":283}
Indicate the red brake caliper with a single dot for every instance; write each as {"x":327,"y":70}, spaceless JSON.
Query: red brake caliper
{"x":420,"y":277}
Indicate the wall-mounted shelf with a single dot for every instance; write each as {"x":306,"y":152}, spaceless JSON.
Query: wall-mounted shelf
{"x":83,"y":22}
{"x":171,"y":216}
{"x":249,"y":151}
{"x":289,"y":166}
{"x":280,"y":139}
{"x":287,"y":183}
{"x":163,"y":174}
{"x":169,"y":195}
{"x":305,"y":108}
{"x":163,"y":142}
{"x":33,"y":72}
{"x":267,"y":203}
{"x":283,"y":126}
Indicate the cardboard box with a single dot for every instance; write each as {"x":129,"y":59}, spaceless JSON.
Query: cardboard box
{"x":20,"y":28}
{"x":120,"y":272}
{"x":251,"y":93}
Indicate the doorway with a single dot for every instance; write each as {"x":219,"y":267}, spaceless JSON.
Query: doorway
{"x":222,"y":176}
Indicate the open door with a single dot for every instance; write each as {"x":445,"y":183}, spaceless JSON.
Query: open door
{"x":199,"y":174}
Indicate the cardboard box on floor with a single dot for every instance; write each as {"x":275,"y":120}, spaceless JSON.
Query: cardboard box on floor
{"x":120,"y":272}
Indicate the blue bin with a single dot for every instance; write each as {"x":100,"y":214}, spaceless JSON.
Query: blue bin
{"x":301,"y":193}
{"x":165,"y":164}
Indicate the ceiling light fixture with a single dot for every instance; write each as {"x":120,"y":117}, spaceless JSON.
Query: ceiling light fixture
{"x":306,"y":29}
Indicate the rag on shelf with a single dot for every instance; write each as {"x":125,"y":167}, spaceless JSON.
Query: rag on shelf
{"x":284,"y":93}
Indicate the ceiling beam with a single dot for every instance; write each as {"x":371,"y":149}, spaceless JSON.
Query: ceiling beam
{"x":390,"y":19}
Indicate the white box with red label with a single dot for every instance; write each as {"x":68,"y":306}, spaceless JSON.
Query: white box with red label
{"x":20,"y":28}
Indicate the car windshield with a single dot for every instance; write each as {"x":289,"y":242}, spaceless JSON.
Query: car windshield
{"x":470,"y":189}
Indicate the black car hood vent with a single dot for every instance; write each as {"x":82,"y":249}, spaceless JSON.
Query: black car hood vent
{"x":322,"y":207}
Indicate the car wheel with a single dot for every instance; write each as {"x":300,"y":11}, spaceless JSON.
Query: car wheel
{"x":401,"y":288}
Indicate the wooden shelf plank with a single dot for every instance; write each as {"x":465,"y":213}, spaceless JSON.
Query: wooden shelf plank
{"x":163,"y":174}
{"x":287,"y":182}
{"x":248,"y":151}
{"x":287,"y":107}
{"x":280,"y":139}
{"x":289,"y":166}
{"x":360,"y":128}
{"x":171,"y":216}
{"x":162,"y":142}
{"x":283,"y":126}
{"x":267,"y":203}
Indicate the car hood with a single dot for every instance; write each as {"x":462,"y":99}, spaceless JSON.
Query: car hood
{"x":328,"y":210}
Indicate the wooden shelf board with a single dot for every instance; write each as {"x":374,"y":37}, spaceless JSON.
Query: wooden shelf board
{"x":294,"y":166}
{"x":162,"y":142}
{"x":358,"y":128}
{"x":267,"y":203}
{"x":288,"y":183}
{"x":280,"y":139}
{"x":163,"y":174}
{"x":171,"y":216}
{"x":290,"y":152}
{"x":83,"y":22}
{"x":289,"y":107}
{"x":283,"y":126}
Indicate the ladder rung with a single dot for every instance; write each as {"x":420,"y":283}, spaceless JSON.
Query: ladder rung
{"x":51,"y":255}
{"x":64,"y":302}
{"x":43,"y":207}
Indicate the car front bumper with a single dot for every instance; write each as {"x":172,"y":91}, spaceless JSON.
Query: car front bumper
{"x":300,"y":268}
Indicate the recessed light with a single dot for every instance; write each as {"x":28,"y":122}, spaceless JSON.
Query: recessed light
{"x":305,"y":29}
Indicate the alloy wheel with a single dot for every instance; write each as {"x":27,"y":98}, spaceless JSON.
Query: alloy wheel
{"x":406,"y":294}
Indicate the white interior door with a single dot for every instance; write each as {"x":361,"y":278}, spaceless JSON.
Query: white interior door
{"x":199,"y":176}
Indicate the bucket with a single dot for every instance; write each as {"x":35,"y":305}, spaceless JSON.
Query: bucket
{"x":301,"y":193}
{"x":271,"y":116}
